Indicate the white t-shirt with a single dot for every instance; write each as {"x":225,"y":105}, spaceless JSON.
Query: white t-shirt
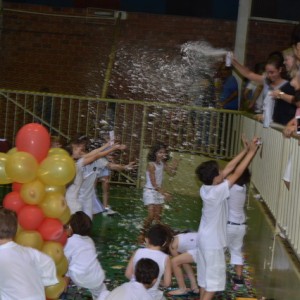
{"x":129,"y":291}
{"x":72,"y":193}
{"x":160,"y":258}
{"x":187,"y":241}
{"x":212,"y":229}
{"x":236,"y":203}
{"x":86,"y":192}
{"x":24,"y":272}
{"x":84,"y":267}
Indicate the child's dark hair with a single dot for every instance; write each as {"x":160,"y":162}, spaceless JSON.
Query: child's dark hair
{"x":207,"y":171}
{"x":244,"y":178}
{"x":159,"y":235}
{"x":8,"y":223}
{"x":154,"y":149}
{"x":146,"y":270}
{"x":81,"y":223}
{"x":82,"y":140}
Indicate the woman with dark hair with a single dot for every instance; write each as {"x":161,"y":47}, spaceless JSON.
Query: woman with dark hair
{"x":272,"y":79}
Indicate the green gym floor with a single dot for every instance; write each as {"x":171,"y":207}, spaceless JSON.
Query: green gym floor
{"x":116,"y":238}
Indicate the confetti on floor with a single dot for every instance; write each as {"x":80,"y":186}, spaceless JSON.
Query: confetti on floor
{"x":116,"y":239}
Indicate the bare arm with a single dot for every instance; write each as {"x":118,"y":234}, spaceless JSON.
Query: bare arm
{"x":244,"y":71}
{"x":233,"y":177}
{"x":231,"y":97}
{"x":233,"y":163}
{"x":167,"y":274}
{"x":117,"y":167}
{"x":278,"y":94}
{"x":130,"y":270}
{"x":290,"y":128}
{"x":99,"y":152}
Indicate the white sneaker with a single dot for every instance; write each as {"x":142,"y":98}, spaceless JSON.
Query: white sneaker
{"x":108,"y":211}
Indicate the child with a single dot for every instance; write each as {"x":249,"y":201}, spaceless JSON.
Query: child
{"x":84,"y":268}
{"x":84,"y":168}
{"x":211,"y":266}
{"x":158,"y":237}
{"x":236,"y":226}
{"x":24,"y":271}
{"x":153,"y":195}
{"x":183,"y":250}
{"x":146,"y":273}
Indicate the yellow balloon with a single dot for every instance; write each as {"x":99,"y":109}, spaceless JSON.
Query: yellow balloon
{"x":21,"y":167}
{"x":57,"y":170}
{"x":53,"y":205}
{"x":55,"y":188}
{"x":33,"y":192}
{"x":54,"y":250}
{"x":65,"y":217}
{"x":4,"y":179}
{"x":54,"y":291}
{"x":12,"y":150}
{"x":29,"y":238}
{"x":60,"y":151}
{"x":62,"y":267}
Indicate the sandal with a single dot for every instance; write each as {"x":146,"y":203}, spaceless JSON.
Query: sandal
{"x":195,"y":291}
{"x":179,"y":292}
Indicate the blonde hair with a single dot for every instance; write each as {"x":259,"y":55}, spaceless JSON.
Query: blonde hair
{"x":290,"y":52}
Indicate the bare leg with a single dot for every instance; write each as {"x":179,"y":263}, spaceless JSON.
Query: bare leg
{"x":205,"y":295}
{"x":183,"y":260}
{"x":105,"y":190}
{"x":239,"y":270}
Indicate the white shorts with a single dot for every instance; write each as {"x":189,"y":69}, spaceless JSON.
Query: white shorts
{"x":193,"y":253}
{"x":235,"y":237}
{"x":211,"y":269}
{"x":104,"y":172}
{"x":151,"y":196}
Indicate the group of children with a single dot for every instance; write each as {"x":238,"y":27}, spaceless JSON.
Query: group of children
{"x":150,"y":266}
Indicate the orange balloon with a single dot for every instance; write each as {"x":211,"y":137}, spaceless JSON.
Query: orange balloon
{"x":53,"y":205}
{"x":34,"y":139}
{"x":21,"y":167}
{"x":13,"y":201}
{"x":51,"y":229}
{"x":57,"y":170}
{"x":54,"y":291}
{"x":33,"y":192}
{"x":30,"y":217}
{"x":29,"y":238}
{"x":54,"y":250}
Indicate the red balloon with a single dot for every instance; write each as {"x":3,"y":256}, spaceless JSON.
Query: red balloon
{"x":63,"y":238}
{"x":16,"y":186}
{"x":51,"y":229}
{"x":34,"y":139}
{"x":30,"y":217}
{"x":13,"y":201}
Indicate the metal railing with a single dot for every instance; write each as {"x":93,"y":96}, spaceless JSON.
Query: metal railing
{"x":187,"y":129}
{"x":138,"y":124}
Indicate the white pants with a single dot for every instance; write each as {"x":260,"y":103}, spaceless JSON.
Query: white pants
{"x":235,"y":237}
{"x":211,"y":269}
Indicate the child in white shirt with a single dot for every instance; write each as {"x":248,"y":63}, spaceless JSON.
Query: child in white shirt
{"x":24,"y":271}
{"x":84,"y":267}
{"x":157,"y":238}
{"x":146,"y":273}
{"x":212,"y":238}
